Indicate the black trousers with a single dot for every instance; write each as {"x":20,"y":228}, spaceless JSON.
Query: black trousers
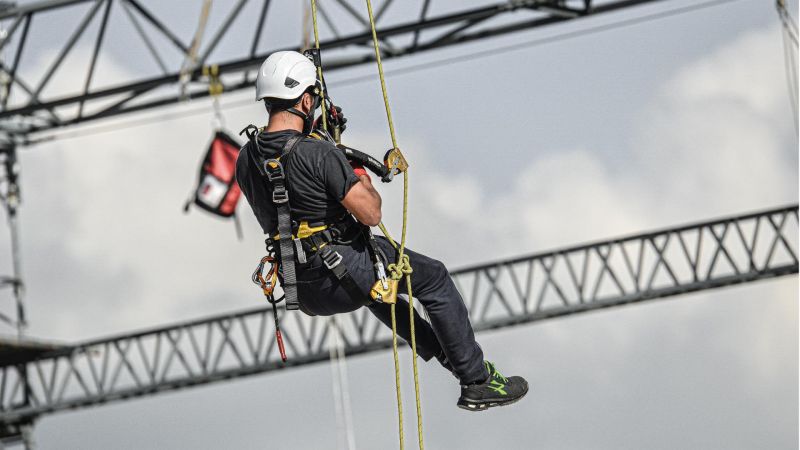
{"x":448,"y":335}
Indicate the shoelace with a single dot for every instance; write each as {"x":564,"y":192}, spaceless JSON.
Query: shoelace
{"x":493,"y":372}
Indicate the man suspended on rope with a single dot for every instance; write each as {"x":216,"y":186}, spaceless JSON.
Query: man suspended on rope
{"x":333,"y":253}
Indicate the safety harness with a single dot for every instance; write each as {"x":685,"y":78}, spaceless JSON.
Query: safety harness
{"x":295,"y":241}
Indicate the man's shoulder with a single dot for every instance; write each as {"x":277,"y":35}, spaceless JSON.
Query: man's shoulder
{"x":311,"y":141}
{"x":244,"y":154}
{"x":314,"y":147}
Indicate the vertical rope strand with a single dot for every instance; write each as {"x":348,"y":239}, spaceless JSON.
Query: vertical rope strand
{"x":191,"y":55}
{"x":306,"y":33}
{"x":336,"y":381}
{"x":414,"y":362}
{"x":341,"y":387}
{"x":790,"y":45}
{"x":397,"y":379}
{"x":319,"y":69}
{"x":380,"y":73}
{"x":402,"y":259}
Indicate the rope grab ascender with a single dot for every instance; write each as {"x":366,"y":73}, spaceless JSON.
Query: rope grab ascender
{"x":386,"y":286}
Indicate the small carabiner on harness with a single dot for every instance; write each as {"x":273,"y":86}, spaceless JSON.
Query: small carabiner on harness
{"x":268,"y":282}
{"x":384,"y":290}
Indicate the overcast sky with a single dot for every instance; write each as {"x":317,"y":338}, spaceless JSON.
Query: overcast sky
{"x":668,"y":122}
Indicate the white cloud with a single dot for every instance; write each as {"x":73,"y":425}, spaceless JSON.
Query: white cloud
{"x":712,"y":142}
{"x":709,"y":144}
{"x":107,"y":248}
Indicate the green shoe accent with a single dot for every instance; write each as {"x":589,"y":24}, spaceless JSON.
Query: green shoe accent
{"x":496,"y":390}
{"x":498,"y":387}
{"x":493,"y":372}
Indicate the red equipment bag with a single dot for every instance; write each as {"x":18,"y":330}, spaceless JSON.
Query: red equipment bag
{"x":217,"y":191}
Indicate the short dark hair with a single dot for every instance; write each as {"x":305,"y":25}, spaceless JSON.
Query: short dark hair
{"x":275,"y":105}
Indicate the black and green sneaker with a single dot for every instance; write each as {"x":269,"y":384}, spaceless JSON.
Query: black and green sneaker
{"x":497,"y":390}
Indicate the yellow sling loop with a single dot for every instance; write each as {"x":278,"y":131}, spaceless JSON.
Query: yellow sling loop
{"x":403,"y":266}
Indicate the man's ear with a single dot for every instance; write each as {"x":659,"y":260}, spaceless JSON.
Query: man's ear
{"x":308,"y":102}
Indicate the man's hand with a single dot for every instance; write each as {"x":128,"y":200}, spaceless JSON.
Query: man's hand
{"x":335,"y":117}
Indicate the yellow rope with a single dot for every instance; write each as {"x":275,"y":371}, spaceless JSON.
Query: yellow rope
{"x":402,"y":267}
{"x":397,"y":378}
{"x":319,"y":69}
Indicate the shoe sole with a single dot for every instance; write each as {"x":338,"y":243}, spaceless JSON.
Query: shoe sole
{"x":482,"y":405}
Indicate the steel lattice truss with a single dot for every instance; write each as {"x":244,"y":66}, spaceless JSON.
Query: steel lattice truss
{"x":578,"y":279}
{"x":31,"y":100}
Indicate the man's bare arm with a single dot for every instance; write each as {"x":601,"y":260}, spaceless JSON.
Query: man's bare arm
{"x":364,"y":202}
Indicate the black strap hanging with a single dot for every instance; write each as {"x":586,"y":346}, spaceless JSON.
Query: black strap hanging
{"x":272,"y":169}
{"x":280,"y":197}
{"x":334,"y":262}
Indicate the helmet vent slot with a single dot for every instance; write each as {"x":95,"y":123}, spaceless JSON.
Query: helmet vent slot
{"x":290,"y":82}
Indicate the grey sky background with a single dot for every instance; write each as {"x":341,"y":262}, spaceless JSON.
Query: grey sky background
{"x":658,"y":124}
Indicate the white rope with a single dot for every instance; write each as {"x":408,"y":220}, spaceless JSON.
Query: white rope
{"x":307,"y":27}
{"x":191,"y":56}
{"x":5,"y":79}
{"x":341,"y":389}
{"x":790,"y":50}
{"x":218,"y":121}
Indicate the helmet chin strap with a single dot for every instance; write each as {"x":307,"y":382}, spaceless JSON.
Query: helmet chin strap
{"x":308,"y":119}
{"x":298,"y":113}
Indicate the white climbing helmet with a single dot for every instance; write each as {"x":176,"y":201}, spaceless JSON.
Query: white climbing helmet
{"x":285,"y":75}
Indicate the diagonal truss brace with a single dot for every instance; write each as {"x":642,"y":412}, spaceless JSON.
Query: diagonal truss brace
{"x":578,"y":279}
{"x":30,"y":113}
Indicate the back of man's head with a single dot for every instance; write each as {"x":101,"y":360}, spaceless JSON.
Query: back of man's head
{"x":283,"y":78}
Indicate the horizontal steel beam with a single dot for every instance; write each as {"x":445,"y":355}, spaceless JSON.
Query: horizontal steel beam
{"x":458,"y":27}
{"x":648,"y":266}
{"x":37,"y":7}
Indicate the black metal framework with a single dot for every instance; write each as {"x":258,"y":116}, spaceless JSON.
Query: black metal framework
{"x":24,"y":109}
{"x":12,"y":315}
{"x":584,"y":278}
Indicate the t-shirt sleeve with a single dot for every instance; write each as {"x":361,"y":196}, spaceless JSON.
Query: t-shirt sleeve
{"x":337,"y":174}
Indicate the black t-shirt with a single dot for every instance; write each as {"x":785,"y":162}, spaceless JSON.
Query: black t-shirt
{"x":317,"y":177}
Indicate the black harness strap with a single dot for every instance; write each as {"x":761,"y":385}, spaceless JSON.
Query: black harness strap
{"x":273,"y":170}
{"x":333,"y":261}
{"x":280,"y":196}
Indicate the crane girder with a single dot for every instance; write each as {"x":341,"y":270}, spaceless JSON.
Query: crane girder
{"x":615,"y":272}
{"x":31,"y":102}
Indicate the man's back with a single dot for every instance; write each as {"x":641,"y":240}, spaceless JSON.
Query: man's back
{"x":317,"y":177}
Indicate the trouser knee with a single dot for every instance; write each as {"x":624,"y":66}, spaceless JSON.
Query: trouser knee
{"x":440,"y":269}
{"x":435,"y":275}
